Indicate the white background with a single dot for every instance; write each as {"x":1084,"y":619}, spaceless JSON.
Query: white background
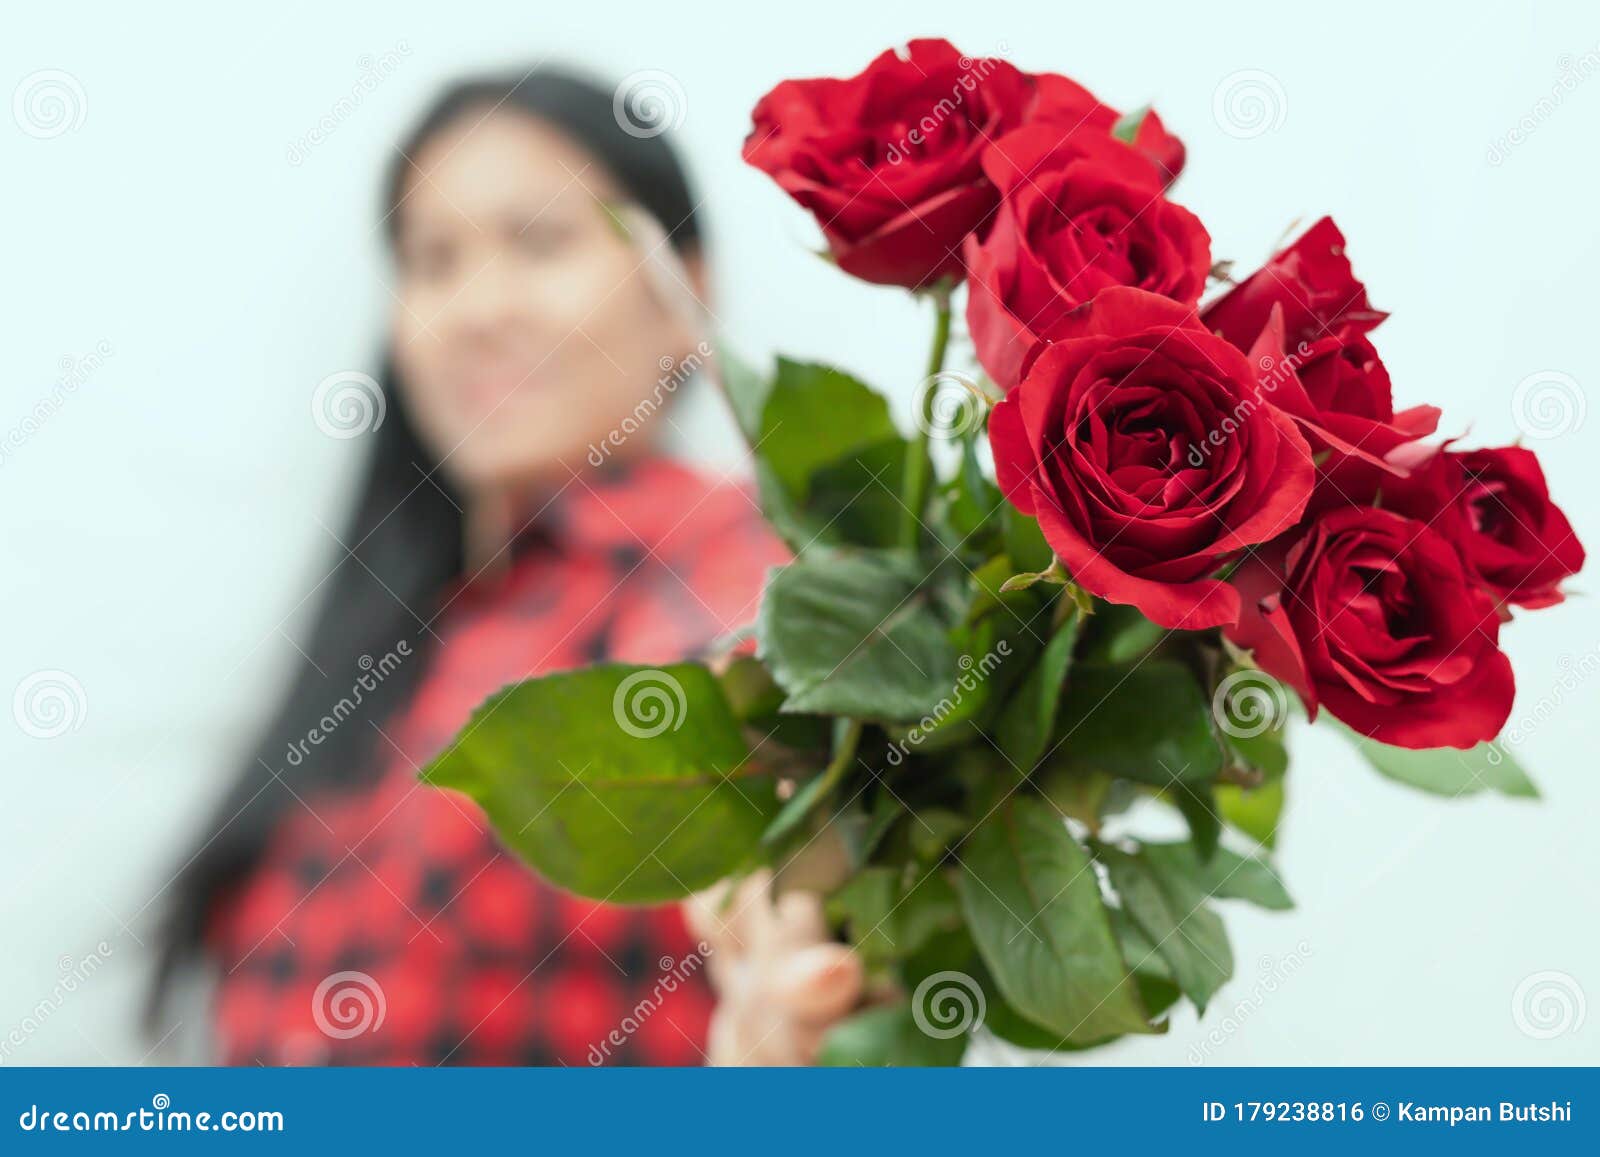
{"x":161,"y":530}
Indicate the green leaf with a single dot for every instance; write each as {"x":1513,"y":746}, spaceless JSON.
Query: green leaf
{"x":888,"y":1036}
{"x":814,"y":417}
{"x":1025,"y":542}
{"x":1170,"y":909}
{"x":627,"y":784}
{"x":746,"y":390}
{"x":850,"y":634}
{"x":1120,"y":635}
{"x":1033,"y":906}
{"x":1226,"y":875}
{"x":1126,"y":128}
{"x":1447,"y":770}
{"x":1150,"y":723}
{"x":1198,"y":806}
{"x":891,"y":912}
{"x":854,"y":499}
{"x":1255,"y":811}
{"x":1029,"y":717}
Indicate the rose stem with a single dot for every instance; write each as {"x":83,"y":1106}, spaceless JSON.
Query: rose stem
{"x":919,"y":462}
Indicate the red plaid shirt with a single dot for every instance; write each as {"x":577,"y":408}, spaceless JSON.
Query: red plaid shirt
{"x":387,"y":925}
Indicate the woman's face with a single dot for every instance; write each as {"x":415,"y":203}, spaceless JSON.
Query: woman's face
{"x":526,"y":325}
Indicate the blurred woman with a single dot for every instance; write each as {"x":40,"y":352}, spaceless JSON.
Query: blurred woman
{"x":514,"y":519}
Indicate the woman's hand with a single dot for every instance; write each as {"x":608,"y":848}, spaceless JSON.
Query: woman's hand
{"x":781,"y":980}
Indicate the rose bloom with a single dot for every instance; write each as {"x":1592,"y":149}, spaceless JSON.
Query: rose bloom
{"x":1070,"y":108}
{"x":1495,"y":508}
{"x":1077,"y":214}
{"x":889,"y":160}
{"x":1516,"y":539}
{"x":1137,"y":440}
{"x":1303,"y":318}
{"x":1373,"y":613}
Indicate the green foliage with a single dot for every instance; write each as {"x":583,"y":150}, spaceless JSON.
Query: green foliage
{"x":607,"y":779}
{"x":1034,"y":909}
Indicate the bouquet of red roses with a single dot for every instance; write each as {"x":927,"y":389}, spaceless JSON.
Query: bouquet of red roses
{"x":1160,"y":511}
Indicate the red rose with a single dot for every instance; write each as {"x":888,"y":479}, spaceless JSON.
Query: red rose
{"x":1077,"y":214}
{"x":1303,"y":318}
{"x":889,"y":160}
{"x":1137,"y":441}
{"x":1065,"y":104}
{"x":1337,"y":388}
{"x":1311,"y":280}
{"x":1517,"y":540}
{"x":1494,"y":506}
{"x":1375,"y":616}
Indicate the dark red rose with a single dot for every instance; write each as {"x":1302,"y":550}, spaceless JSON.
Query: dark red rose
{"x":889,"y":160}
{"x":1313,"y":283}
{"x":1136,"y":440}
{"x":1514,"y":537}
{"x":1375,"y":616}
{"x":1303,"y":318}
{"x":1494,"y":505}
{"x":1337,"y":388}
{"x":1077,"y":214}
{"x":1069,"y":107}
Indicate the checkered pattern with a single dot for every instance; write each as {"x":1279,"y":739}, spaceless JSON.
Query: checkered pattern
{"x":477,"y":960}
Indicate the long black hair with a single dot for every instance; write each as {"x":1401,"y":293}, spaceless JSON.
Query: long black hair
{"x":406,"y":531}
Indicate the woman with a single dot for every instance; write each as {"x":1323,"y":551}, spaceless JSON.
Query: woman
{"x":505,"y":528}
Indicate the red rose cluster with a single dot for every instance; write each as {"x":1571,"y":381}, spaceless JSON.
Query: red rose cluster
{"x":1237,"y":465}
